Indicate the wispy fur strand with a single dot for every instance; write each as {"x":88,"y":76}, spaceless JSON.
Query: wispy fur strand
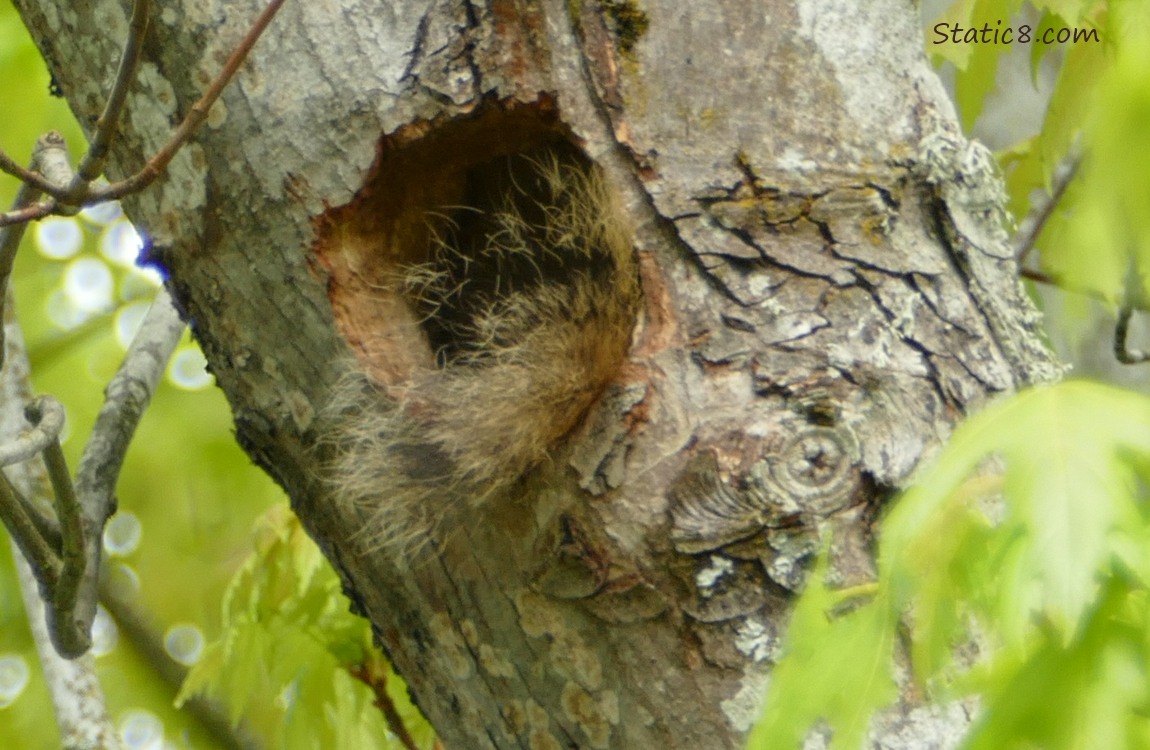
{"x":529,"y":303}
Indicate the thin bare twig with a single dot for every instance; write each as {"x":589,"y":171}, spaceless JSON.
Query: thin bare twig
{"x":49,"y":158}
{"x":1032,"y":226}
{"x":199,"y":112}
{"x":92,"y":165}
{"x":1121,"y":327}
{"x":71,"y":638}
{"x":27,"y":176}
{"x":76,"y":696}
{"x":46,"y":428}
{"x":22,"y":520}
{"x":10,"y":236}
{"x":27,"y":536}
{"x":29,"y":213}
{"x":375,"y":677}
{"x":47,"y":527}
{"x":126,"y":398}
{"x":78,"y":190}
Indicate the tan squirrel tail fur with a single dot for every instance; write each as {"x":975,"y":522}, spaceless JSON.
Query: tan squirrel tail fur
{"x":528,"y":299}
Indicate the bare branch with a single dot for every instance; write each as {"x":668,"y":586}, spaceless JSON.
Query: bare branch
{"x":199,"y":112}
{"x":49,"y":158}
{"x":92,"y":165}
{"x":27,"y":536}
{"x":1121,"y":330}
{"x":29,"y":213}
{"x":126,"y":398}
{"x":68,"y":195}
{"x":76,"y":694}
{"x":71,"y":638}
{"x":46,"y":428}
{"x":11,"y":225}
{"x":27,"y":176}
{"x":375,"y":677}
{"x":77,"y":699}
{"x":1035,"y":221}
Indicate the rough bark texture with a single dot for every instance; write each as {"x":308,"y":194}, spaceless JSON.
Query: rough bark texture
{"x":826,"y":292}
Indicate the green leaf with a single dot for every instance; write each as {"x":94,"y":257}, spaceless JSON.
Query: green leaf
{"x":1071,"y":12}
{"x":1067,"y":488}
{"x":1091,"y":693}
{"x":837,"y":668}
{"x":976,"y":80}
{"x":287,"y":643}
{"x":1102,"y":229}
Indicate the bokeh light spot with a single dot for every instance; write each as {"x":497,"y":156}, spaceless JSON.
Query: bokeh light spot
{"x":122,"y":534}
{"x":189,"y":369}
{"x":14,"y":674}
{"x":185,"y":644}
{"x":141,"y":730}
{"x":58,"y":237}
{"x":121,"y":244}
{"x":88,"y":285}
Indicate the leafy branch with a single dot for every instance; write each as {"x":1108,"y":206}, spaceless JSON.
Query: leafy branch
{"x":1025,"y":544}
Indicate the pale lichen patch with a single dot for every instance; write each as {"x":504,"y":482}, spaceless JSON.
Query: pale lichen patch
{"x":571,"y":658}
{"x":451,"y":646}
{"x":469,"y":632}
{"x":495,"y":662}
{"x":155,"y":89}
{"x":186,"y":186}
{"x":110,"y":19}
{"x":754,"y":640}
{"x":535,"y":614}
{"x":52,"y":17}
{"x":592,"y":715}
{"x":743,"y":708}
{"x":302,"y":411}
{"x":514,"y":717}
{"x":712,"y":573}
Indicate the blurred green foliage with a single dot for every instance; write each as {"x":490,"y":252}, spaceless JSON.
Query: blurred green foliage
{"x":1021,"y":562}
{"x":285,"y":610}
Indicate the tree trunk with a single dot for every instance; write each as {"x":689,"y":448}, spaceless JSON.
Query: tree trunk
{"x":826,"y":290}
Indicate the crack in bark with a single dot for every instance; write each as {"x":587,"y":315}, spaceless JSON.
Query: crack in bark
{"x":417,"y":51}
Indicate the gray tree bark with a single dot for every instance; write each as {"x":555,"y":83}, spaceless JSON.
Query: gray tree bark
{"x":827,"y":290}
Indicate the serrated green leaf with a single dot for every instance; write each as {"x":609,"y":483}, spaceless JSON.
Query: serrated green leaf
{"x":1067,"y":487}
{"x":288,"y":633}
{"x":202,"y":677}
{"x":837,"y":669}
{"x":1087,"y":694}
{"x":956,"y":557}
{"x":974,"y":82}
